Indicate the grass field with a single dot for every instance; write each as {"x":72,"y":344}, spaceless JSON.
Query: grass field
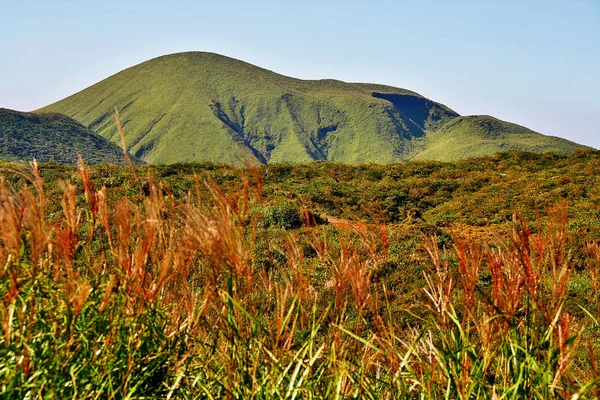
{"x":412,"y":280}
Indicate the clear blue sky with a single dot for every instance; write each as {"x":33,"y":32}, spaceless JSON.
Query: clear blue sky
{"x":536,"y":63}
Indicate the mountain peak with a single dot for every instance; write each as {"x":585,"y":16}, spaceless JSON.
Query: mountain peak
{"x":199,"y":106}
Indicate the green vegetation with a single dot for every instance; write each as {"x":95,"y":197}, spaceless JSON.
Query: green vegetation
{"x":52,"y":137}
{"x":205,"y":107}
{"x":411,"y":280}
{"x":481,"y":135}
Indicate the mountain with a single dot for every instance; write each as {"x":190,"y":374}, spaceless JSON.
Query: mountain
{"x":52,"y":137}
{"x":206,"y":107}
{"x":479,"y":135}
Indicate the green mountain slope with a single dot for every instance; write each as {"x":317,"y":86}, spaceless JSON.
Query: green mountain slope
{"x":479,"y":135}
{"x":52,"y":136}
{"x":203,"y":106}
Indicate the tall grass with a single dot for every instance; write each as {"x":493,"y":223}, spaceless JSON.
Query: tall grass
{"x":151,"y":296}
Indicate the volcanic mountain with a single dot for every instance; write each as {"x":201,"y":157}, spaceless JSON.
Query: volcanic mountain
{"x":206,"y":107}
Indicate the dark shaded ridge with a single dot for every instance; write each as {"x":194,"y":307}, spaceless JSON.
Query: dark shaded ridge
{"x":237,"y":131}
{"x":424,"y":113}
{"x":144,"y":149}
{"x":323,"y":131}
{"x":107,"y":117}
{"x":311,"y":145}
{"x":320,"y":141}
{"x":407,"y":132}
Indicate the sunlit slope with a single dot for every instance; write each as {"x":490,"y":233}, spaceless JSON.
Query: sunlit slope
{"x":206,"y":107}
{"x":479,"y":135}
{"x":52,"y":137}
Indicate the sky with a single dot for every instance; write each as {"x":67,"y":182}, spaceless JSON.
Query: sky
{"x":535,"y":63}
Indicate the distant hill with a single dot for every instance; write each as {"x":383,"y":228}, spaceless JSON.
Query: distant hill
{"x":206,"y":107}
{"x":479,"y":135}
{"x":52,"y":137}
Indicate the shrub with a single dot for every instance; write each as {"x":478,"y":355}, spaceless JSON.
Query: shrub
{"x":285,"y":216}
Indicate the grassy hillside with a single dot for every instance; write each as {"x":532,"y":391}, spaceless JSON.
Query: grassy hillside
{"x":206,"y":107}
{"x":409,"y":280}
{"x":52,"y":137}
{"x":480,"y":135}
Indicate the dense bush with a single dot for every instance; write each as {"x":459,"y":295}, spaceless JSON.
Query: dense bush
{"x":285,"y":216}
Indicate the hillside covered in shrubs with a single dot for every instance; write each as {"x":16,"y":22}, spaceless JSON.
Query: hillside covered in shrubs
{"x":52,"y":137}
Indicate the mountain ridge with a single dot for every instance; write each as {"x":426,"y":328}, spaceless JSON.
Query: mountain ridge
{"x":198,"y":106}
{"x":48,"y":136}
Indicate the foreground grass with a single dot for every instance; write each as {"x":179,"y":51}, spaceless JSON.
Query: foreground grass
{"x":221,"y":293}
